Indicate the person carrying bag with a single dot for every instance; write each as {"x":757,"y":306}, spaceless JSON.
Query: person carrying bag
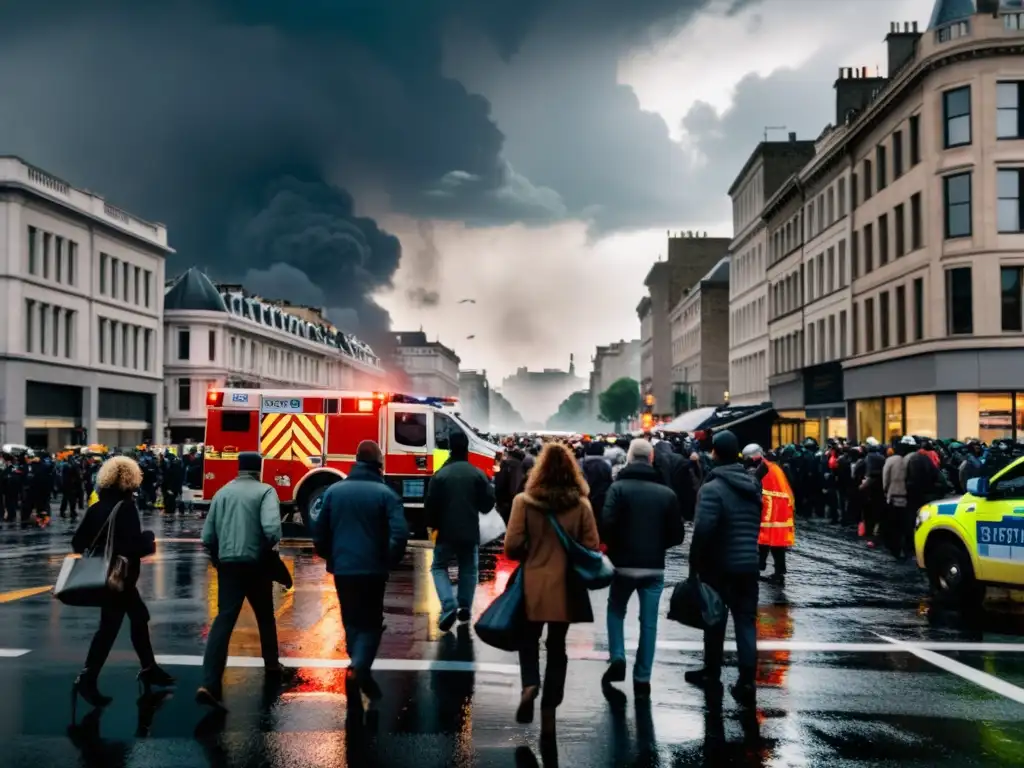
{"x":554,"y":592}
{"x":109,"y":580}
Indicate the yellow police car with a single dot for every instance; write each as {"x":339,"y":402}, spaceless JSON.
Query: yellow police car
{"x":969,"y":543}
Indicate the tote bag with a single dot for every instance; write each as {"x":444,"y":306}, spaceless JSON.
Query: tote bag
{"x":594,"y":568}
{"x":90,"y":579}
{"x":502,"y":624}
{"x":696,"y":605}
{"x":492,"y":527}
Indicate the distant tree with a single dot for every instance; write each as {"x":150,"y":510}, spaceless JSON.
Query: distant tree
{"x":571,"y":413}
{"x":620,"y":402}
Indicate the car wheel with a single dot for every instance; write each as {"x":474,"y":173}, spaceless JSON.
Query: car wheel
{"x":952,"y":576}
{"x":311,"y":507}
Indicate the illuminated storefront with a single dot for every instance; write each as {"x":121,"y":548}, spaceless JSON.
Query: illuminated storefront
{"x":810,"y":405}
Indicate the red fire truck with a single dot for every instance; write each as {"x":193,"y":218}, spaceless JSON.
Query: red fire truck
{"x":308,"y":441}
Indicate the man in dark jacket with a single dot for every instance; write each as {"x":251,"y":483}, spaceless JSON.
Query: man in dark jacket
{"x":724,"y":555}
{"x":677,"y":473}
{"x":361,"y":533}
{"x":507,"y":481}
{"x":597,"y":471}
{"x":456,"y":497}
{"x":639,"y":522}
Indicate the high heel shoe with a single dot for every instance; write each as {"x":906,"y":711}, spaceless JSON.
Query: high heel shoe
{"x":154,"y":676}
{"x":85,"y":686}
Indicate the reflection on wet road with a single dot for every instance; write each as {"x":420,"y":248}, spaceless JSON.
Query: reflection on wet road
{"x":854,"y":669}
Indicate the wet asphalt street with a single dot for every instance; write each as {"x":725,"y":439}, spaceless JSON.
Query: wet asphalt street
{"x":855,"y":669}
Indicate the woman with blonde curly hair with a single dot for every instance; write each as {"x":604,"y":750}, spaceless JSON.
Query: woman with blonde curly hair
{"x":117,"y":481}
{"x":552,"y":595}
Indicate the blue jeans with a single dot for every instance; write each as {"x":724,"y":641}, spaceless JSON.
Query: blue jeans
{"x":649,"y":588}
{"x":465,"y":556}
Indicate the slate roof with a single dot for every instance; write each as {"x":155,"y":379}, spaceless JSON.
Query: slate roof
{"x":947,"y":11}
{"x":194,"y":290}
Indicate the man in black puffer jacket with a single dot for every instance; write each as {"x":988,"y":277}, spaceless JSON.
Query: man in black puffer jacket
{"x":597,"y":471}
{"x":724,"y":555}
{"x":639,"y":522}
{"x":677,"y":473}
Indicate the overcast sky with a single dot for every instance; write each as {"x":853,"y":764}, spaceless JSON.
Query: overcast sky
{"x":526,"y":154}
{"x":573,"y":121}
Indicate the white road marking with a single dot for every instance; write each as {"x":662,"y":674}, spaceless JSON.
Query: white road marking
{"x":13,"y":653}
{"x":976,"y":676}
{"x":816,"y":646}
{"x":384,"y":665}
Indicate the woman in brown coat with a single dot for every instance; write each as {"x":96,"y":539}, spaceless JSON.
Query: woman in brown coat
{"x":552,"y":592}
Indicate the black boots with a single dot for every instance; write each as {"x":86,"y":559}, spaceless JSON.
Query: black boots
{"x":85,"y":686}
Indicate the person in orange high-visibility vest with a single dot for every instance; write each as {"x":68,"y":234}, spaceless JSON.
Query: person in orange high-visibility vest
{"x":777,"y":504}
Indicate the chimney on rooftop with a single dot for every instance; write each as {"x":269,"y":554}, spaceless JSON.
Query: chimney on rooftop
{"x":854,"y":92}
{"x":792,"y":137}
{"x":901,"y":44}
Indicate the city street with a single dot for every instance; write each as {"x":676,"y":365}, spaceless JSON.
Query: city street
{"x":855,"y":670}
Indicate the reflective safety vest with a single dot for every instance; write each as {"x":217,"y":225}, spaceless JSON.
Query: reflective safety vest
{"x":777,"y":505}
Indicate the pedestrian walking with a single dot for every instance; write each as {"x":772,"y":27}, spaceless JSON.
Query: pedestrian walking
{"x":778,"y":505}
{"x":640,"y":521}
{"x":241,"y":528}
{"x":362,"y":533}
{"x":724,"y":555}
{"x":117,"y":481}
{"x":553,"y":595}
{"x":456,"y":497}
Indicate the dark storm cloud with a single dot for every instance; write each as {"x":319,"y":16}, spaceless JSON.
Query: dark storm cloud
{"x":200,"y":113}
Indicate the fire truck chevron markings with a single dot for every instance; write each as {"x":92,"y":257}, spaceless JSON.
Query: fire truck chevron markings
{"x":287,"y":435}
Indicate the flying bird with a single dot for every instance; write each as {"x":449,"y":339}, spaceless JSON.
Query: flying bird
{"x":467,"y":301}
{"x":471,"y":337}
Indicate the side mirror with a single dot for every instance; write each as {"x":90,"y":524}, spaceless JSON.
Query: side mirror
{"x":978,"y":486}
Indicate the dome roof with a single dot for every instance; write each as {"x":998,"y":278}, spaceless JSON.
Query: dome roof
{"x":193,"y":290}
{"x":947,"y":11}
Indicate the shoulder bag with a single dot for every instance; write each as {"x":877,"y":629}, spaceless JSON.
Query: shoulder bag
{"x":594,"y":568}
{"x":92,"y":578}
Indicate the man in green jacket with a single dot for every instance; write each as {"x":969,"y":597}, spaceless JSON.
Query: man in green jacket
{"x":243,"y":524}
{"x":456,"y":497}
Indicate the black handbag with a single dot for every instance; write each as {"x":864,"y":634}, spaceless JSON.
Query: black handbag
{"x":91,"y":579}
{"x":502,"y":624}
{"x":697,"y":605}
{"x":275,"y":568}
{"x":593,"y":568}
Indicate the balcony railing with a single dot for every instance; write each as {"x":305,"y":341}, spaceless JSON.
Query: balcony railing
{"x":1014,"y":21}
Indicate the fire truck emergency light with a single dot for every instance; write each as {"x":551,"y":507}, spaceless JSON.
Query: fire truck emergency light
{"x":215,"y":398}
{"x":366,"y":406}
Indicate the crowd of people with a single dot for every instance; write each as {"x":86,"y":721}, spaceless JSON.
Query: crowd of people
{"x":32,"y":481}
{"x":630,"y":498}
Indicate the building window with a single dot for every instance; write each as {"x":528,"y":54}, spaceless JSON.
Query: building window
{"x":883,"y":319}
{"x":869,"y":419}
{"x":124,"y":279}
{"x":842,"y":334}
{"x":854,"y":255}
{"x":30,"y":313}
{"x":113,"y":278}
{"x":56,"y":331}
{"x":102,"y":341}
{"x":900,"y":223}
{"x":957,"y":193}
{"x":841,"y":194}
{"x":916,"y":234}
{"x":853,"y":191}
{"x":72,"y":262}
{"x":915,"y":140}
{"x":145,"y":280}
{"x":918,"y":308}
{"x":33,"y":256}
{"x":135,"y":347}
{"x":146,"y":342}
{"x":213,"y":346}
{"x":867,"y":179}
{"x":1009,"y":114}
{"x":956,"y":109}
{"x":125,"y":340}
{"x":1009,"y":280}
{"x":103,"y":273}
{"x":897,"y":155}
{"x":842,"y":264}
{"x":58,"y":259}
{"x":184,"y":394}
{"x":883,"y":239}
{"x":919,"y":413}
{"x":869,"y":248}
{"x":959,"y":301}
{"x":881,"y":166}
{"x":69,"y":334}
{"x":184,"y":342}
{"x":1009,"y":214}
{"x":44,"y":313}
{"x":901,"y":314}
{"x":135,"y":285}
{"x":869,"y":325}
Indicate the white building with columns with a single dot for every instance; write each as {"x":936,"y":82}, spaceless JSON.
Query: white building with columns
{"x":82,"y":285}
{"x":221,"y":335}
